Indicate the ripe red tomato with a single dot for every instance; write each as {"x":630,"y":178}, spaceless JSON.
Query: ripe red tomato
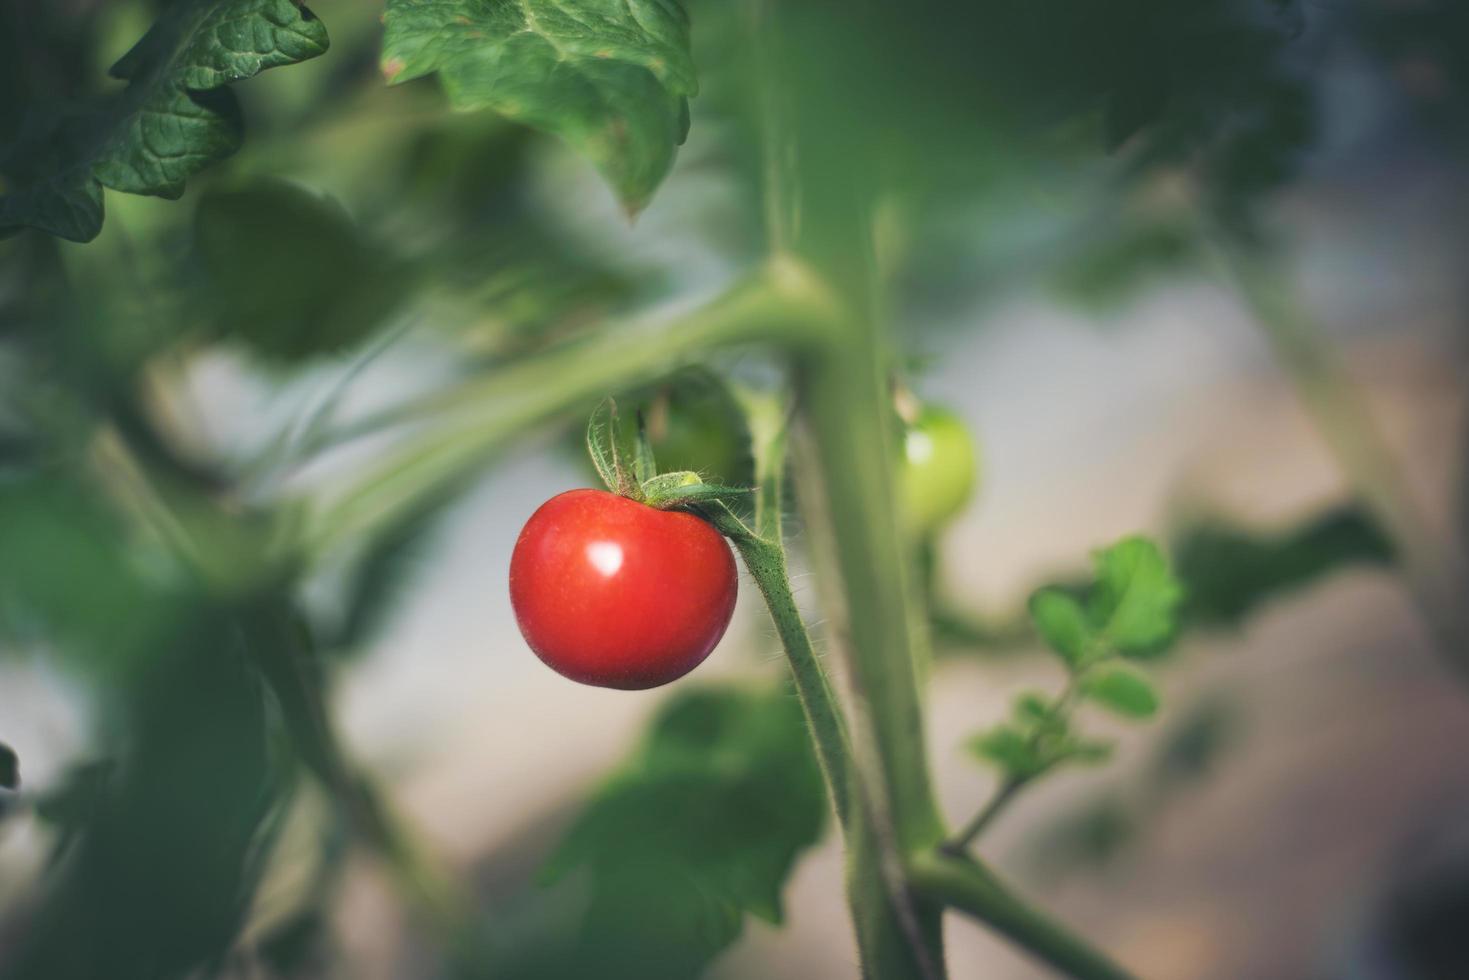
{"x":614,"y":593}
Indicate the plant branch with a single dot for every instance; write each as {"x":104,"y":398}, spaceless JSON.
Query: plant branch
{"x":969,"y":887}
{"x":467,"y":424}
{"x":1007,"y":791}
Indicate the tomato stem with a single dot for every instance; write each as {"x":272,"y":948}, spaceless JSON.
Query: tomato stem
{"x":765,"y":560}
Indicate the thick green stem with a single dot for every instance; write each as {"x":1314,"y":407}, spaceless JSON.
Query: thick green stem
{"x":844,"y":394}
{"x":969,"y":887}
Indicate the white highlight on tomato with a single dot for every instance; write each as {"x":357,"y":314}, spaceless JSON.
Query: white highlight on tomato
{"x":605,"y":556}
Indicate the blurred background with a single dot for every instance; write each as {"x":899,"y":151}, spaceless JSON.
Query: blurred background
{"x":1191,"y":270}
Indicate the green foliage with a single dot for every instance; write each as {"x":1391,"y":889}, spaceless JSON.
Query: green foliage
{"x":1135,"y":601}
{"x":163,"y":849}
{"x":9,"y":767}
{"x":611,"y":78}
{"x":1036,"y":739}
{"x":1231,"y":571}
{"x":1139,"y":253}
{"x":1131,"y":608}
{"x":174,"y":118}
{"x":1122,"y":690}
{"x":1063,"y":624}
{"x":101,"y":603}
{"x":288,"y":272}
{"x":700,"y":828}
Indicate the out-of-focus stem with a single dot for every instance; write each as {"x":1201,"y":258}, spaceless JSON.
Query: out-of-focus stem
{"x":1434,"y":569}
{"x":465,"y":425}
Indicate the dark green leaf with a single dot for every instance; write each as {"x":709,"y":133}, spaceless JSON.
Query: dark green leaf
{"x":1062,"y":623}
{"x":1122,"y":690}
{"x":174,"y":118}
{"x":68,"y":574}
{"x":612,"y":79}
{"x":288,"y":272}
{"x":163,"y":850}
{"x":9,"y":767}
{"x":1230,"y":571}
{"x":701,"y":828}
{"x":1135,"y":601}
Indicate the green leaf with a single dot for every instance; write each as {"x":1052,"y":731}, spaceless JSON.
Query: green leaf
{"x":645,"y":464}
{"x":1122,"y":690}
{"x":609,"y":455}
{"x":611,"y":77}
{"x":1231,"y":571}
{"x":174,"y":118}
{"x":701,"y":828}
{"x":288,"y":272}
{"x":1010,"y":749}
{"x":599,"y":428}
{"x":1136,"y":599}
{"x":9,"y":767}
{"x":1062,"y":623}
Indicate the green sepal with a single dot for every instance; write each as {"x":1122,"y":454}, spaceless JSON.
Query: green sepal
{"x":683,"y":488}
{"x":610,"y":458}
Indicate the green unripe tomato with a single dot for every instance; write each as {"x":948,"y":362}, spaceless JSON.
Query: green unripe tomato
{"x":940,"y":469}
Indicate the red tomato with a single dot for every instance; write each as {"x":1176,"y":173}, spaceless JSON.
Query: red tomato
{"x":614,"y":593}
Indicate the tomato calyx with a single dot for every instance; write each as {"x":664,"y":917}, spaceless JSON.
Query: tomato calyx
{"x":635,"y":475}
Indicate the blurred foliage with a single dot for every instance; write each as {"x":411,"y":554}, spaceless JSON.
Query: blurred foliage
{"x":699,"y":829}
{"x":1227,"y":572}
{"x":176,"y":831}
{"x":9,"y":768}
{"x":288,"y":273}
{"x":1231,"y":571}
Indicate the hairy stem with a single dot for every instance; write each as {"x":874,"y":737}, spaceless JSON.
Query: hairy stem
{"x":765,"y":560}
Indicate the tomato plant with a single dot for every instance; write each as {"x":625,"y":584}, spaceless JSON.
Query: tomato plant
{"x":275,"y":297}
